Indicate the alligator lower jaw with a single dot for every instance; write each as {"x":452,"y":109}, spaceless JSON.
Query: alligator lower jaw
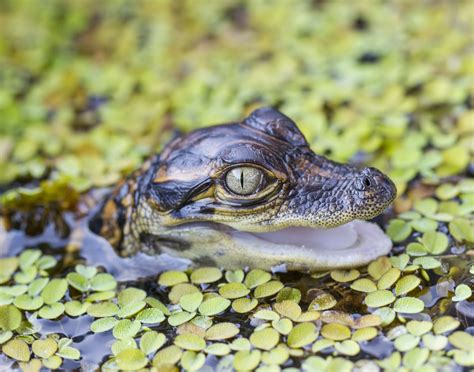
{"x":296,"y":248}
{"x":301,"y":248}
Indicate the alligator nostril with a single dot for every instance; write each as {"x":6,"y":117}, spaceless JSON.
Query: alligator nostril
{"x":367,"y":182}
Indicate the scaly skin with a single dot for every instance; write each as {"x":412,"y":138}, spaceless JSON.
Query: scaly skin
{"x":185,"y":186}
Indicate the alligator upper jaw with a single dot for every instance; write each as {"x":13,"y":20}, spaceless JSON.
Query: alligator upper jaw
{"x":297,"y":248}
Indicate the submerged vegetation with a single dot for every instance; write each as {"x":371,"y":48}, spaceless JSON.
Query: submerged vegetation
{"x":90,"y":89}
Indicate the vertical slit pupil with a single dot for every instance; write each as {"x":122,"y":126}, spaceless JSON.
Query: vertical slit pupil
{"x":242,"y":179}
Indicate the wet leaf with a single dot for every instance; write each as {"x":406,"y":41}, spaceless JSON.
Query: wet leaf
{"x":247,"y":360}
{"x":462,"y":292}
{"x":322,"y":344}
{"x":434,"y":342}
{"x":406,"y":342}
{"x":180,"y":317}
{"x":419,"y":328}
{"x":244,"y":305}
{"x":103,"y":309}
{"x":379,"y":298}
{"x":76,"y":308}
{"x":54,"y":291}
{"x":407,"y":284}
{"x":236,"y":276}
{"x":171,"y":278}
{"x":427,"y":263}
{"x":214,"y":306}
{"x":462,"y":230}
{"x":87,"y":272}
{"x":120,"y":345}
{"x":26,"y":276}
{"x":344,"y":276}
{"x":288,"y":309}
{"x":5,"y":336}
{"x":192,"y":361}
{"x":379,"y":267}
{"x":265,"y":339}
{"x":222,"y":331}
{"x":53,"y":362}
{"x":364,"y":285}
{"x":256,"y":277}
{"x":266,"y":314}
{"x":150,"y":316}
{"x":44,"y":348}
{"x":283,"y":326}
{"x":8,"y":266}
{"x":233,"y":290}
{"x":28,"y":257}
{"x":415,"y":358}
{"x":36,"y":286}
{"x":168,"y":355}
{"x":293,"y":294}
{"x":126,"y":328}
{"x":131,"y":359}
{"x":323,"y":301}
{"x":445,"y":324}
{"x":206,"y":275}
{"x":416,"y":249}
{"x":189,"y":341}
{"x":78,"y":281}
{"x":10,"y":318}
{"x":389,"y":278}
{"x":347,"y":347}
{"x":302,"y":334}
{"x":190,"y":302}
{"x":103,"y":324}
{"x":217,"y":349}
{"x":364,"y":334}
{"x":179,"y":290}
{"x":103,"y":282}
{"x":52,"y":311}
{"x":335,"y":332}
{"x":151,"y":341}
{"x":17,"y":349}
{"x":131,"y":309}
{"x":435,"y":242}
{"x":408,"y":305}
{"x":268,"y":289}
{"x":398,"y":230}
{"x":461,"y":340}
{"x":131,"y":296}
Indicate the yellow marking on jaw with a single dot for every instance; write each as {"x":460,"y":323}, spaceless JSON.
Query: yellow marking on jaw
{"x":209,"y":193}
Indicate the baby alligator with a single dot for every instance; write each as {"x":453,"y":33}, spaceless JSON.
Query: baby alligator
{"x":248,"y":194}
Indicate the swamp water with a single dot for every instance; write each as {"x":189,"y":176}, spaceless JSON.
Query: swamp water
{"x":68,"y":301}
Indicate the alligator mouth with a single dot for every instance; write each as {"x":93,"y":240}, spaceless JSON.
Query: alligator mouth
{"x":297,"y":248}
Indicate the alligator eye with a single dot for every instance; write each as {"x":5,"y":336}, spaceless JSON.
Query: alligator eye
{"x":244,"y":180}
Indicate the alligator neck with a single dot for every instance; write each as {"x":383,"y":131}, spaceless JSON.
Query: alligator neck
{"x":114,"y":218}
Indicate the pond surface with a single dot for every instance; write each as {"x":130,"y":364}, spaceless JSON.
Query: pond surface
{"x":378,"y":316}
{"x":89,"y":90}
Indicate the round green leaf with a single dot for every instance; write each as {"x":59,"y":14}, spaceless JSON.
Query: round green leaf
{"x":152,"y":341}
{"x":10,"y":318}
{"x":214,"y":306}
{"x":102,"y":309}
{"x":408,"y":305}
{"x":131,"y":359}
{"x":52,"y":311}
{"x":17,"y":349}
{"x":103,"y":324}
{"x":26,"y":302}
{"x":54,"y":291}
